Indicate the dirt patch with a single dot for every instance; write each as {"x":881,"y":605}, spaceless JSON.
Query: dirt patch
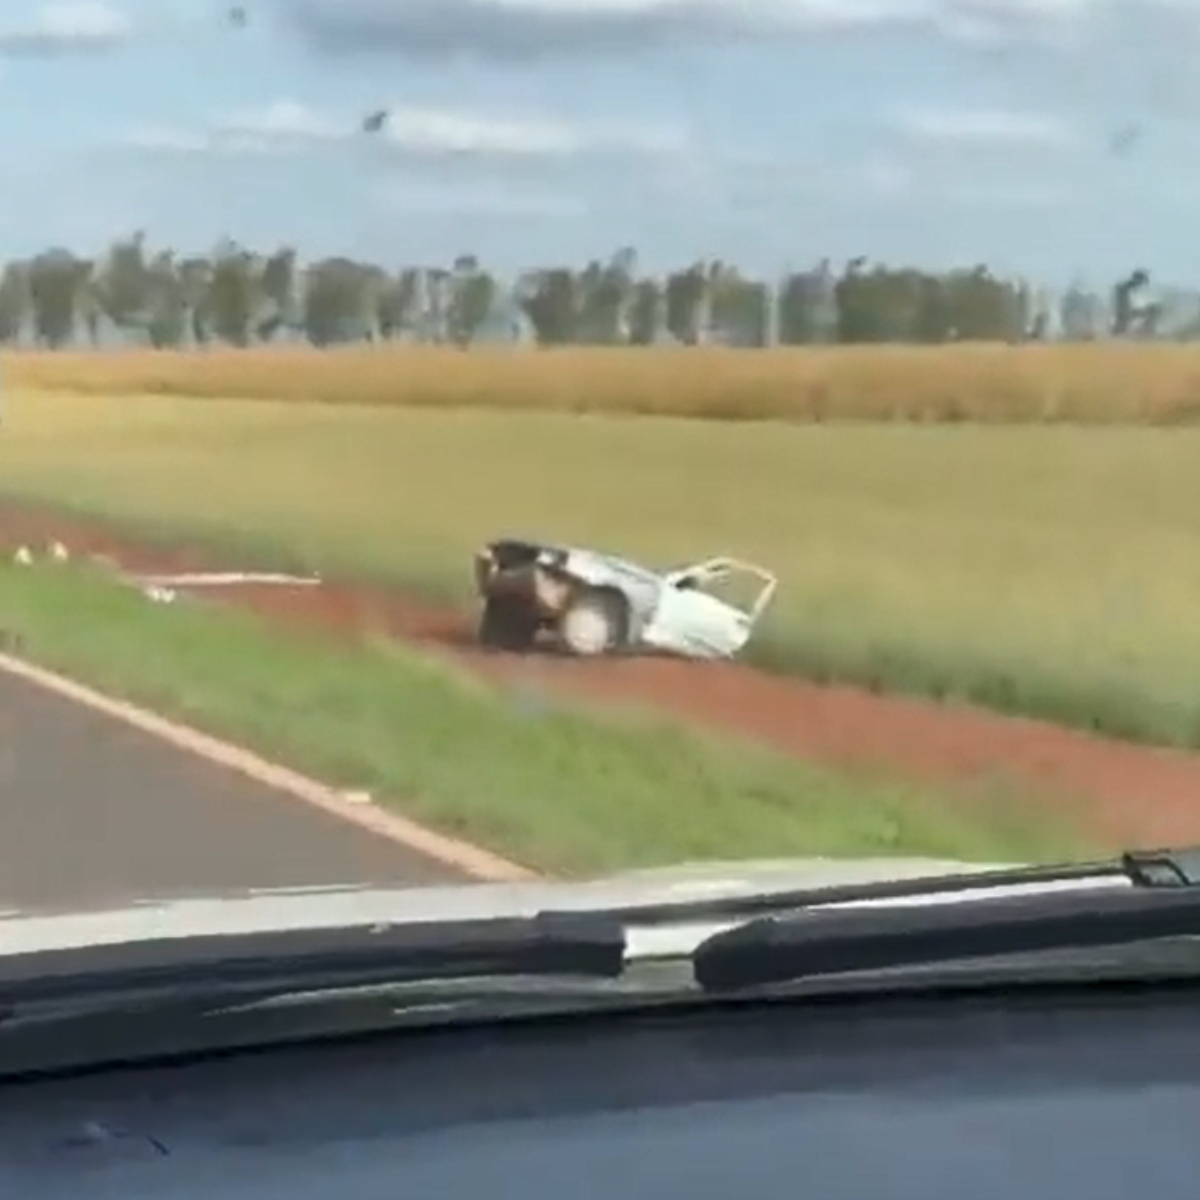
{"x":1126,"y":795}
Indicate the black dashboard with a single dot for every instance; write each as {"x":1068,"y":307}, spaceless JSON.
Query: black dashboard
{"x":1044,"y":1097}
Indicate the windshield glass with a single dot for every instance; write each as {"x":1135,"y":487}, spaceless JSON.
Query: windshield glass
{"x":352,"y":353}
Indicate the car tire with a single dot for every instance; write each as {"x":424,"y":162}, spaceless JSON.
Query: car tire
{"x":506,"y":626}
{"x":594,"y":623}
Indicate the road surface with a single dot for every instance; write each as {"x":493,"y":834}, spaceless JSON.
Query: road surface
{"x":93,"y":811}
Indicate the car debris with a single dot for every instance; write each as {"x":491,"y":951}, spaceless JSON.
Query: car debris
{"x":219,"y":579}
{"x":592,"y":603}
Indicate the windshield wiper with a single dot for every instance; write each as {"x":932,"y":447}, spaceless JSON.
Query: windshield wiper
{"x":1163,"y":903}
{"x":1150,"y":869}
{"x":1142,"y":868}
{"x":205,"y":972}
{"x":257,"y":965}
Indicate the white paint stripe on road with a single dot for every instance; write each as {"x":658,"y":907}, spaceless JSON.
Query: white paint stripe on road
{"x":473,"y":861}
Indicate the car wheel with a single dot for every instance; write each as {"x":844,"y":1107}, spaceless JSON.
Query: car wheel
{"x":506,"y":626}
{"x":593,"y":624}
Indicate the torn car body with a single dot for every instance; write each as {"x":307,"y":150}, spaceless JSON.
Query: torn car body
{"x":593,"y":603}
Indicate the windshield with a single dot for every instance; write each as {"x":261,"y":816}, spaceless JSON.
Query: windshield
{"x":350,"y":351}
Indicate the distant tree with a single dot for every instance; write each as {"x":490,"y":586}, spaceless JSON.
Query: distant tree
{"x":15,"y":302}
{"x":472,"y":294}
{"x":55,"y":279}
{"x":236,"y":295}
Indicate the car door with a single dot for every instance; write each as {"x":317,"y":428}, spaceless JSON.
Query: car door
{"x":693,"y":617}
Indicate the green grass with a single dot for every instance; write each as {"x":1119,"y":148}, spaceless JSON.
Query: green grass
{"x":561,"y":789}
{"x":1052,"y":571}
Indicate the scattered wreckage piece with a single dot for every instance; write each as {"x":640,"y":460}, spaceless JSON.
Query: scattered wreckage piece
{"x":593,"y":603}
{"x":167,"y":588}
{"x":218,"y":579}
{"x":56,"y":551}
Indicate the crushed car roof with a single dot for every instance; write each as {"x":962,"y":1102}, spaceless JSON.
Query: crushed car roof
{"x":617,"y":561}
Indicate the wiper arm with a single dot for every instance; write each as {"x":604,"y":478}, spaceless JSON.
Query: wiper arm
{"x":259,"y":964}
{"x":1150,"y":868}
{"x":1163,"y":868}
{"x":825,"y":942}
{"x":772,"y":900}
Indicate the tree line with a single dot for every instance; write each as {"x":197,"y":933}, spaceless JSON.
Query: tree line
{"x":134,"y":293}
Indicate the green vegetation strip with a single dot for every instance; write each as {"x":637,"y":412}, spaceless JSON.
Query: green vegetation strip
{"x":560,"y":789}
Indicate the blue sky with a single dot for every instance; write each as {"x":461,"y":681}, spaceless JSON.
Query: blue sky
{"x":772,"y":132}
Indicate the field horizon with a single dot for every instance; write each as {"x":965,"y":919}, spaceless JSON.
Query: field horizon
{"x":989,"y":383}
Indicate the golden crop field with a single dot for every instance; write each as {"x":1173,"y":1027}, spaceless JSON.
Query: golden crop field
{"x":1100,"y":383}
{"x":1053,"y":570}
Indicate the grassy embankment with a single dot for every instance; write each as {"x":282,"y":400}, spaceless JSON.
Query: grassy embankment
{"x":563,"y":790}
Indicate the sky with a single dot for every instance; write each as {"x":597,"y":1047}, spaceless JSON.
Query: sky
{"x":1057,"y":138}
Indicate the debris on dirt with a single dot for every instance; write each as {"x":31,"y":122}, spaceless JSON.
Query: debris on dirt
{"x":167,"y":588}
{"x":202,"y":579}
{"x":55,"y":551}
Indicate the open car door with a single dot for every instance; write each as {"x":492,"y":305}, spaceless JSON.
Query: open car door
{"x":709,"y":610}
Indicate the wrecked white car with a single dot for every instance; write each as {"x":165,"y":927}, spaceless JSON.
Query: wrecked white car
{"x":593,"y":603}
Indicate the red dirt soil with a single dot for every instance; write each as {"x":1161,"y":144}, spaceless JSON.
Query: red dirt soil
{"x":1118,"y":793}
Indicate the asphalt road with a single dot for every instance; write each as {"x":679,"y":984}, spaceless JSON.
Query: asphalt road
{"x":93,"y":812}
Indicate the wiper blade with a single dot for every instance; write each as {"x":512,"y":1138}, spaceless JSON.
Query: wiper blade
{"x":826,"y":942}
{"x":679,"y":919}
{"x":256,"y":964}
{"x":1157,"y":872}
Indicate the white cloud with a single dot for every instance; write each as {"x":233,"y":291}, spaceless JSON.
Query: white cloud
{"x":276,"y":130}
{"x":163,"y":140}
{"x":414,"y":132}
{"x":966,"y":128}
{"x":886,"y":180}
{"x":281,"y":124}
{"x":1011,"y":195}
{"x":436,"y":131}
{"x":890,"y":178}
{"x":412,"y":198}
{"x":886,"y":177}
{"x":83,"y":27}
{"x":422,"y":130}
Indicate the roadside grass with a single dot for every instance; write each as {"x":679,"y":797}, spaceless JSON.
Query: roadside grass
{"x":1048,"y":571}
{"x":564,"y":789}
